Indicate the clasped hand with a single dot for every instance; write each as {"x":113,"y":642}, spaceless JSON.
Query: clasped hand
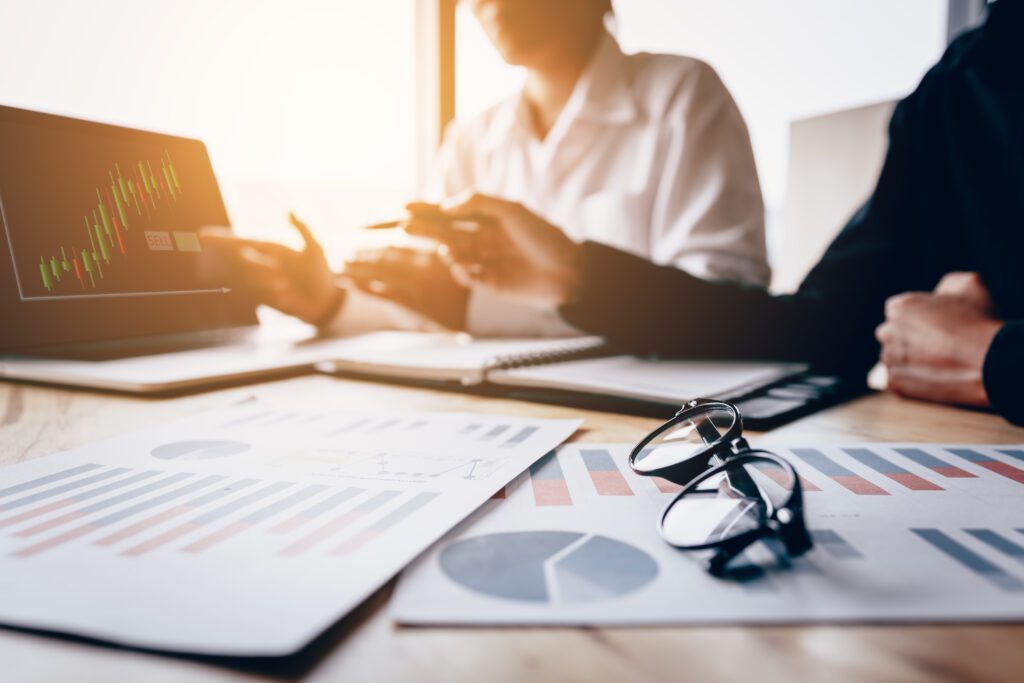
{"x":934,"y":344}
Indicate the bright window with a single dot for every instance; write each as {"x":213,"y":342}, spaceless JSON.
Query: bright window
{"x":307,"y":105}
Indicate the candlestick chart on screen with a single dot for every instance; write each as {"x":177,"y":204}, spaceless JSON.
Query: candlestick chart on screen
{"x":120,"y":227}
{"x":130,"y":195}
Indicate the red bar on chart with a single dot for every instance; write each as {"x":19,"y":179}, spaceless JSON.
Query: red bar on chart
{"x":935,"y":464}
{"x":317,"y":510}
{"x":990,"y":463}
{"x":159,"y":518}
{"x":385,"y":523}
{"x":325,"y":531}
{"x":548,"y":482}
{"x":607,"y":478}
{"x":839,"y":474}
{"x":665,"y":486}
{"x":892,"y":470}
{"x":253,"y":519}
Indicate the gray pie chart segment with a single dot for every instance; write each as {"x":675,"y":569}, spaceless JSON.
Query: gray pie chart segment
{"x":507,"y":565}
{"x":519,"y":566}
{"x":207,"y":449}
{"x":602,"y":568}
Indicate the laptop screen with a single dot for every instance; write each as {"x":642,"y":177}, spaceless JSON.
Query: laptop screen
{"x":98,"y":238}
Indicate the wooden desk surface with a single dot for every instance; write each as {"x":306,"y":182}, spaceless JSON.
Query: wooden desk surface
{"x":35,"y":421}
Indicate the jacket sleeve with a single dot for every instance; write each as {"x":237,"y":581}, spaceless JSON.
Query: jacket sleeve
{"x":1003,"y":373}
{"x":829,"y":321}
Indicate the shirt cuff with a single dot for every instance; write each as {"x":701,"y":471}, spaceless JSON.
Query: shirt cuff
{"x":490,"y":314}
{"x":1003,"y":373}
{"x":362,"y":313}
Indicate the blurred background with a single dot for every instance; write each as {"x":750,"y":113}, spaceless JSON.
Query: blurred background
{"x":331,"y":107}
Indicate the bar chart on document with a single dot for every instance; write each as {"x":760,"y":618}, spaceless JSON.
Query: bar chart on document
{"x":903,"y":532}
{"x":282,"y":519}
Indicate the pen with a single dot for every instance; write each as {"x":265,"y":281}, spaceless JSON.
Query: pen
{"x":386,"y":225}
{"x":456,"y":224}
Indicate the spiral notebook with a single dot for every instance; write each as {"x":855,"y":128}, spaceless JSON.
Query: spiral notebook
{"x":575,"y":364}
{"x":451,"y":357}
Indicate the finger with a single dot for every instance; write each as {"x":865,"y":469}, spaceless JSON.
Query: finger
{"x":462,"y":245}
{"x":967,"y":286}
{"x":243,"y":244}
{"x":884,"y":332}
{"x":424,"y":210}
{"x":898,"y":305}
{"x":407,"y":255}
{"x":472,"y":204}
{"x":955,"y":386}
{"x":380,"y":272}
{"x":307,"y":235}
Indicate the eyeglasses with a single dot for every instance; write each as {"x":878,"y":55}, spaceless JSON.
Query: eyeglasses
{"x":732,"y":497}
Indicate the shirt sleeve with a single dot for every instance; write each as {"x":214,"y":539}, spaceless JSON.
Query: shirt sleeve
{"x":708,"y":213}
{"x":829,"y":322}
{"x":1003,"y":373}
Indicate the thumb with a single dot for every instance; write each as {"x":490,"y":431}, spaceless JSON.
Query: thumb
{"x":307,"y":234}
{"x":474,"y":205}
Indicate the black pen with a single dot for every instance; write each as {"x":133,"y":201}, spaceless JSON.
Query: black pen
{"x":465,"y":225}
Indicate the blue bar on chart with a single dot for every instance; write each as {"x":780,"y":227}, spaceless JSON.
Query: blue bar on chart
{"x":254,"y":518}
{"x":607,"y":479}
{"x":520,"y":437}
{"x":93,"y":526}
{"x":548,"y":482}
{"x":344,"y":429}
{"x":837,"y":473}
{"x":385,"y":523}
{"x":1001,"y":543}
{"x":204,"y":519}
{"x":835,"y":545}
{"x":56,"y":491}
{"x":188,"y":506}
{"x":247,"y":418}
{"x":971,"y":560}
{"x":990,"y":463}
{"x":1013,"y":453}
{"x":891,"y":470}
{"x":494,"y":432}
{"x":54,"y":522}
{"x":314,"y":511}
{"x":325,"y":531}
{"x":935,"y":464}
{"x":48,"y":479}
{"x":385,"y":425}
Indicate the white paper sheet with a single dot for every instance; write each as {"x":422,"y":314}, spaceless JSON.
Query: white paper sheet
{"x":245,"y":531}
{"x":904,"y":532}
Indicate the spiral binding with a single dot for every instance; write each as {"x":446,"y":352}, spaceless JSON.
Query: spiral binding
{"x":523,"y":360}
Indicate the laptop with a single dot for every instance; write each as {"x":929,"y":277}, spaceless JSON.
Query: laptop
{"x":104,"y":282}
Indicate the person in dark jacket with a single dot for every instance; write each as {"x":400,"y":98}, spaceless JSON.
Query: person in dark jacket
{"x":928,"y":275}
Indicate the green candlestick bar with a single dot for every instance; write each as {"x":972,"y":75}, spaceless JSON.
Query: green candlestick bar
{"x":110,"y":219}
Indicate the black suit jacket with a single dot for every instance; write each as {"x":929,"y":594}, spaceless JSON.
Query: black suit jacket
{"x":950,"y":197}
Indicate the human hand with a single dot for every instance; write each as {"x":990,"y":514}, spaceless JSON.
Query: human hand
{"x":416,"y":279}
{"x":512,"y":250}
{"x":299,"y":283}
{"x":934,"y":344}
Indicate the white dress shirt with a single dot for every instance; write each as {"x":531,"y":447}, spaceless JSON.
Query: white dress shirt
{"x":649,"y":155}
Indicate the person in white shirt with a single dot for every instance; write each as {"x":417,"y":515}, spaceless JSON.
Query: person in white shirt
{"x":647,"y":153}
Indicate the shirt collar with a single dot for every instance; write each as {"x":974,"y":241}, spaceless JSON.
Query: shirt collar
{"x":603,"y":94}
{"x":604,"y":91}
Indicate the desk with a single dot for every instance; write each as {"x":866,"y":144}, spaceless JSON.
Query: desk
{"x":35,"y":421}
